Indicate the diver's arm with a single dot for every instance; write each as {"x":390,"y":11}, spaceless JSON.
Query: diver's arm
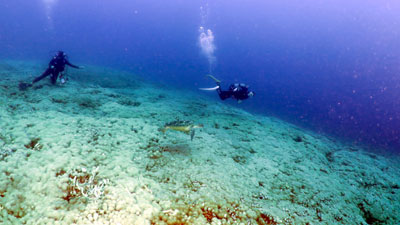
{"x":51,"y":63}
{"x":71,"y":65}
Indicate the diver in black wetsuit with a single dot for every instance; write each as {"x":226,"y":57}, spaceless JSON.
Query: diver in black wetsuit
{"x":236,"y":91}
{"x":56,"y":66}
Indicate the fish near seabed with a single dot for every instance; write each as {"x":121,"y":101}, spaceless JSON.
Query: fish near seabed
{"x":184,"y":126}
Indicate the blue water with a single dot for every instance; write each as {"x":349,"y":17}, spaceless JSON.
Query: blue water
{"x":329,"y":65}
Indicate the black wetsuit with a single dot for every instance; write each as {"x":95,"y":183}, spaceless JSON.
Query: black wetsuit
{"x":56,"y":66}
{"x":236,"y":91}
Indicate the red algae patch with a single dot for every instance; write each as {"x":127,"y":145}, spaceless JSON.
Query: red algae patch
{"x":209,"y":213}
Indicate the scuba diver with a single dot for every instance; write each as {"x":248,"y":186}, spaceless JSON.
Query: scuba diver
{"x":56,"y":66}
{"x":236,"y":91}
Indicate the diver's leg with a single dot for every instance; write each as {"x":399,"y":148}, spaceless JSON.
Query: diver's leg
{"x":45,"y":74}
{"x":223,"y":94}
{"x":54,"y":76}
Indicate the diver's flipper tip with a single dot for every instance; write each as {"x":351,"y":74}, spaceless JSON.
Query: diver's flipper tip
{"x":209,"y":89}
{"x":215,"y":79}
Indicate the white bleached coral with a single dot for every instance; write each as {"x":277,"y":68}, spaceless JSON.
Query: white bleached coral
{"x":85,"y":183}
{"x":242,"y":169}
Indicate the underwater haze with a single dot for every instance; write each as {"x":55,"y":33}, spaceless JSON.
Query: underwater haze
{"x":332,"y":66}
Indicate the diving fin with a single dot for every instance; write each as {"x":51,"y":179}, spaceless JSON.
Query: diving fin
{"x":23,"y":86}
{"x":215,"y":79}
{"x":209,"y":89}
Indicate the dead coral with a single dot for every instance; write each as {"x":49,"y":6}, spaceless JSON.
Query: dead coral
{"x":88,"y":103}
{"x":211,"y":212}
{"x":59,"y":100}
{"x":34,"y":144}
{"x":128,"y":102}
{"x":4,"y":152}
{"x":83,"y":183}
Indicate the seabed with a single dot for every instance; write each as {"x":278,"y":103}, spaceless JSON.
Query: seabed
{"x":90,"y":152}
